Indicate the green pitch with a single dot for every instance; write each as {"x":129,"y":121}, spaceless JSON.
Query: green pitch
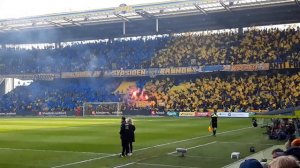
{"x":94,"y":142}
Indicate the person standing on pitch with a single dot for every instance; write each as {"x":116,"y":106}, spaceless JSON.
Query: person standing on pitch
{"x":214,"y":122}
{"x":123,"y":120}
{"x":131,"y":135}
{"x":124,"y":135}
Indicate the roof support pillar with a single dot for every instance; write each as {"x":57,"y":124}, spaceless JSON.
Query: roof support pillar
{"x":156,"y":25}
{"x":240,"y":30}
{"x":297,"y":2}
{"x":124,"y":27}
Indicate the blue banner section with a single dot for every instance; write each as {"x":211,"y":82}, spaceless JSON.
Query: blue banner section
{"x":41,"y":76}
{"x":212,"y":68}
{"x":173,"y":113}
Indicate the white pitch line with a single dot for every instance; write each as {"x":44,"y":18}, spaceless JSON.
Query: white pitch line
{"x":163,"y":165}
{"x":41,"y":150}
{"x":193,"y":156}
{"x":195,"y":147}
{"x":142,"y":149}
{"x":244,"y":143}
{"x":83,"y":161}
{"x":125,"y":165}
{"x":202,"y":145}
{"x":242,"y":159}
{"x":205,"y":136}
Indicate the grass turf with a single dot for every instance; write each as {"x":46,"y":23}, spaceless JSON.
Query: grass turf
{"x":94,"y":142}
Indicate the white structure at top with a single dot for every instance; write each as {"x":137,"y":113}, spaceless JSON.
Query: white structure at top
{"x":126,"y":13}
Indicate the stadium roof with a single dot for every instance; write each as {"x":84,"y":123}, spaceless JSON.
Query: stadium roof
{"x":30,"y":8}
{"x":159,"y":18}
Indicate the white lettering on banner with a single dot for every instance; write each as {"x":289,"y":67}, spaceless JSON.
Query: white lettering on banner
{"x":160,"y":112}
{"x":117,"y":113}
{"x":234,"y":114}
{"x":101,"y":113}
{"x":50,"y":113}
{"x":106,"y":113}
{"x":8,"y":114}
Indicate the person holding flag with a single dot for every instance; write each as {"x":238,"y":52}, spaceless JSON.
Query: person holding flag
{"x":214,"y":122}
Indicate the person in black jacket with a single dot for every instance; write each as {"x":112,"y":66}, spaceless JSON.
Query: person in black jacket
{"x":123,"y":120}
{"x":124,"y":135}
{"x":131,"y":135}
{"x":214,"y":122}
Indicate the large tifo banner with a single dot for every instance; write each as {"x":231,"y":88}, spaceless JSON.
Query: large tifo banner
{"x":152,"y":72}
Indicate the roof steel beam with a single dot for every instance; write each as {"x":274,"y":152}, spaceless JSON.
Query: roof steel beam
{"x":122,"y":17}
{"x":225,"y":6}
{"x":297,"y":2}
{"x":55,"y":24}
{"x":200,"y":9}
{"x":144,"y":14}
{"x":72,"y":21}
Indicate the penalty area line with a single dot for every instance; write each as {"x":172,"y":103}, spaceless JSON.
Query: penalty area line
{"x":83,"y":161}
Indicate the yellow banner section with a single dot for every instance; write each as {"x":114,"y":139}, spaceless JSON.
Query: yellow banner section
{"x":178,"y":70}
{"x":187,"y":114}
{"x":250,"y":67}
{"x":144,"y":103}
{"x":285,"y":65}
{"x":129,"y":72}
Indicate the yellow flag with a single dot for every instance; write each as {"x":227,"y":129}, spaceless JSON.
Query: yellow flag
{"x":209,"y":129}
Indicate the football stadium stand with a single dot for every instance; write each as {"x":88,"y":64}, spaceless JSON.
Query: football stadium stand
{"x":168,"y":59}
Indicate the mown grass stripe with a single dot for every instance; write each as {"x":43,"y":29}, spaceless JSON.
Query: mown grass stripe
{"x":142,"y":149}
{"x":57,"y":151}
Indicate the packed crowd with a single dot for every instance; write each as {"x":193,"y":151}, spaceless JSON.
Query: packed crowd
{"x":281,"y":129}
{"x":253,"y":46}
{"x":285,"y":157}
{"x":60,"y":95}
{"x":229,"y":92}
{"x":80,"y":57}
{"x":233,"y":92}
